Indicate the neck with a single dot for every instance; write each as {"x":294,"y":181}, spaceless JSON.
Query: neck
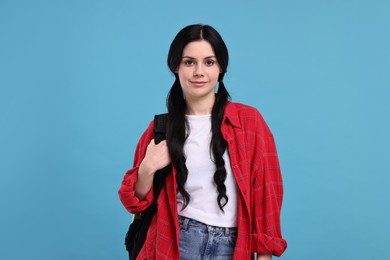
{"x":202,"y":106}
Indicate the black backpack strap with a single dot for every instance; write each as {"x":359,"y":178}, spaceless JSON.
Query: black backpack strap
{"x":160,"y":124}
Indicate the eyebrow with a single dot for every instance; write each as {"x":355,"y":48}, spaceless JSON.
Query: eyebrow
{"x":189,"y":57}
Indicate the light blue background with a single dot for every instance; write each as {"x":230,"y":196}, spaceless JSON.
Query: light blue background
{"x":80,"y":81}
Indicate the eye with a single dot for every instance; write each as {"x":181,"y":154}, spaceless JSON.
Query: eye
{"x":188,"y":62}
{"x":210,"y":62}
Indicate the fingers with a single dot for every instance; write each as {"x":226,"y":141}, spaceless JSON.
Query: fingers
{"x":162,"y":143}
{"x":157,"y":155}
{"x":153,"y":148}
{"x":152,"y":141}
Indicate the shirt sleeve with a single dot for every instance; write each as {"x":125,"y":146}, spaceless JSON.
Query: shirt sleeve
{"x":267,"y":194}
{"x":127,"y":190}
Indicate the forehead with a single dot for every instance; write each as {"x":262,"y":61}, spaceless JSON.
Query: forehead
{"x":198,"y":49}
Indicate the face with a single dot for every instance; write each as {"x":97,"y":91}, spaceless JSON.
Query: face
{"x":198,"y":71}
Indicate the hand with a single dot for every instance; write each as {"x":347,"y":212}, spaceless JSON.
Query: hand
{"x":267,"y":256}
{"x":156,"y":158}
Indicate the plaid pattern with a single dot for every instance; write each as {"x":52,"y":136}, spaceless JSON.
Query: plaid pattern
{"x":255,"y":165}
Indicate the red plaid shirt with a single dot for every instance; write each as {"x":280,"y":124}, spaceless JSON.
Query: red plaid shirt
{"x":255,"y":165}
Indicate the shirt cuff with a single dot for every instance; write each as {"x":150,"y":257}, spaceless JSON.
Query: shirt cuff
{"x":127,"y":193}
{"x":262,"y":243}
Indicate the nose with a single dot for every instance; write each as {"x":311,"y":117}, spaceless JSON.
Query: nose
{"x":198,"y":71}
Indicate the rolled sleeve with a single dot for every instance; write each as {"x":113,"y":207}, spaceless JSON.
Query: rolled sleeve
{"x":263,"y":243}
{"x":127,"y":193}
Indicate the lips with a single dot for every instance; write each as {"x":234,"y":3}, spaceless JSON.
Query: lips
{"x":198,"y":83}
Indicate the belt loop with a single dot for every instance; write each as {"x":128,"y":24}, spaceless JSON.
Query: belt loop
{"x":185,"y":223}
{"x":186,"y":220}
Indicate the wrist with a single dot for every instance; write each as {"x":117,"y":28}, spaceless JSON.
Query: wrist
{"x":145,"y":169}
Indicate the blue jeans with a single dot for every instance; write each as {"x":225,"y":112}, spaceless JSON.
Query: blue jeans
{"x":200,"y":241}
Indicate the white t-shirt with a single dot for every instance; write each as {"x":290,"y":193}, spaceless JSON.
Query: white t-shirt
{"x":200,"y":184}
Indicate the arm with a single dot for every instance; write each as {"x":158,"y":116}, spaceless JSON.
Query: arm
{"x":267,"y":195}
{"x":135,"y":191}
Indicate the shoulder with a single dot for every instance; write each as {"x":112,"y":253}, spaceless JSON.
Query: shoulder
{"x":245,"y":116}
{"x":147,"y":135}
{"x":242,"y":111}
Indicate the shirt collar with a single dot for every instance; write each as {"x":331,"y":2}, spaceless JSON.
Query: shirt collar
{"x":231,"y":115}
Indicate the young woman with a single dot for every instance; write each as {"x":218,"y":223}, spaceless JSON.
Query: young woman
{"x":223,"y":198}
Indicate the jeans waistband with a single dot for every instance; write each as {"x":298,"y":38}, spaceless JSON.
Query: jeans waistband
{"x":186,"y":223}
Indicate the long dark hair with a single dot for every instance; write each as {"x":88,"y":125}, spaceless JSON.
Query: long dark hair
{"x":176,"y":127}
